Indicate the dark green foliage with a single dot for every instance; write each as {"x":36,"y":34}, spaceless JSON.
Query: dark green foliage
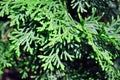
{"x":60,"y":39}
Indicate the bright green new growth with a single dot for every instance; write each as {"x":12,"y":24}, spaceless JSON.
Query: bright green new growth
{"x":45,"y":39}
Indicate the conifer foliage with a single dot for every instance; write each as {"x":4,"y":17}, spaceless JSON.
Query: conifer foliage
{"x":60,"y":39}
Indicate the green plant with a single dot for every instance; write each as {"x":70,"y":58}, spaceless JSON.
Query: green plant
{"x":46,"y":42}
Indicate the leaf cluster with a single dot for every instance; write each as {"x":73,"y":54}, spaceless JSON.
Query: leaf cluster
{"x":47,"y":43}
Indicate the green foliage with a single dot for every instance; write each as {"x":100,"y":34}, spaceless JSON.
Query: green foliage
{"x":4,"y":46}
{"x":42,"y":39}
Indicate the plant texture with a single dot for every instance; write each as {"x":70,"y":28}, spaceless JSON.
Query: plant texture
{"x":61,"y":39}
